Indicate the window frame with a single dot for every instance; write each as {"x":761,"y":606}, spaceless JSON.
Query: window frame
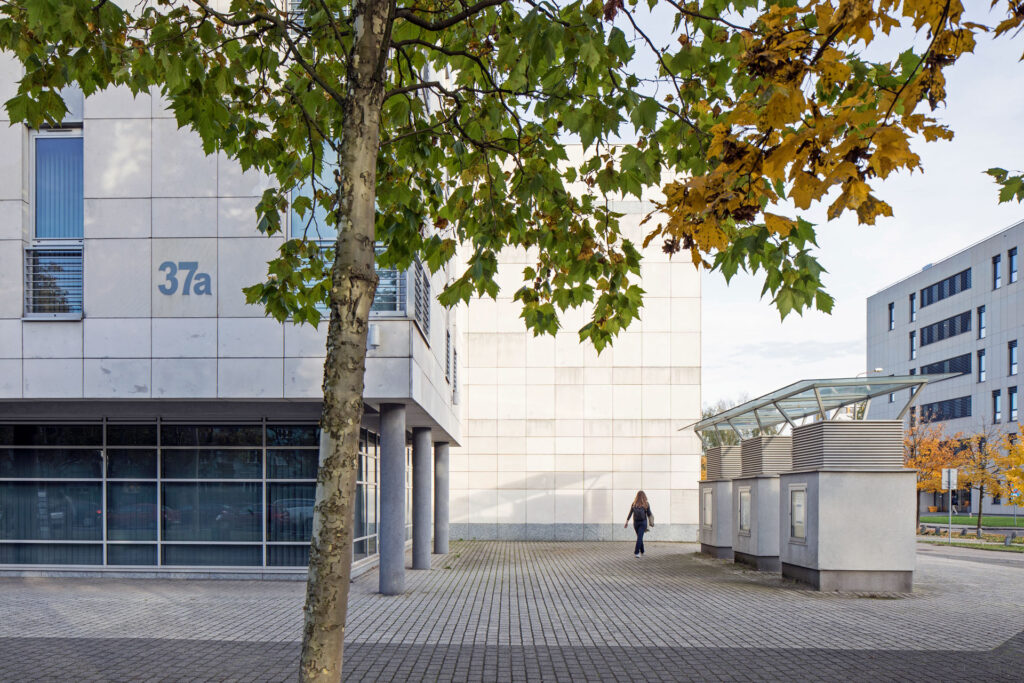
{"x":793,"y":490}
{"x":108,"y":481}
{"x":982,"y":322}
{"x":982,"y":369}
{"x":1011,"y":404}
{"x":997,"y":271}
{"x":913,"y":307}
{"x":892,"y":316}
{"x":1011,"y":266}
{"x":707,"y":502}
{"x":997,"y":406}
{"x":743,"y":505}
{"x":913,"y":345}
{"x":1011,"y":358}
{"x":71,"y":129}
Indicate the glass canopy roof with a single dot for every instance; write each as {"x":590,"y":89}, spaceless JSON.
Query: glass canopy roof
{"x":813,"y":397}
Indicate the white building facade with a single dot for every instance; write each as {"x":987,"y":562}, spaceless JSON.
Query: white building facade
{"x":149,"y":417}
{"x":963,"y":314}
{"x":151,"y":420}
{"x":559,"y":438}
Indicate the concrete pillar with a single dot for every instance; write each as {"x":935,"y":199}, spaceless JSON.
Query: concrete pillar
{"x":441,"y":498}
{"x":421,"y":498}
{"x":392,"y":498}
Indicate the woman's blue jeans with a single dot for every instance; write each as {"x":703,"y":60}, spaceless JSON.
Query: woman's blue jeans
{"x":640,"y":529}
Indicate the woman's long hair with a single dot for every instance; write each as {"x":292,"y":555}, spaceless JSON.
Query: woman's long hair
{"x":641,"y":500}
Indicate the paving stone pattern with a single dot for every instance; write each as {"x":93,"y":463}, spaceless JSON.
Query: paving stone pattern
{"x":506,"y":611}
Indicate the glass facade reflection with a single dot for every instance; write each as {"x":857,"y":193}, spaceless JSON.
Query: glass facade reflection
{"x":149,"y":494}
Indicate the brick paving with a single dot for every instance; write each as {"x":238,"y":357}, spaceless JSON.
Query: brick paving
{"x":506,"y":611}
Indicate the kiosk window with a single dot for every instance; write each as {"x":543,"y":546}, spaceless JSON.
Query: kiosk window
{"x":798,"y":513}
{"x":744,"y":512}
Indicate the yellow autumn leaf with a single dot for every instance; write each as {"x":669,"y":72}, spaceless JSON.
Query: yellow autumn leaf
{"x":806,"y":188}
{"x":774,"y":165}
{"x":892,"y":151}
{"x":779,"y":225}
{"x":871,"y":208}
{"x":785,"y":106}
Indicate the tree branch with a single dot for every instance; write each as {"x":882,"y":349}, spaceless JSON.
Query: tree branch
{"x":427,"y":129}
{"x":407,"y":14}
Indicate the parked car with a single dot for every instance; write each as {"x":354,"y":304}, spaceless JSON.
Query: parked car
{"x":294,"y":515}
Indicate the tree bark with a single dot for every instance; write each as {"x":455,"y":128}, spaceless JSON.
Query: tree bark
{"x":981,"y":503}
{"x":353,"y":285}
{"x":917,"y":514}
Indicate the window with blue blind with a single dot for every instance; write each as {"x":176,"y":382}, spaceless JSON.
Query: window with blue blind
{"x":53,"y":262}
{"x":59,"y":194}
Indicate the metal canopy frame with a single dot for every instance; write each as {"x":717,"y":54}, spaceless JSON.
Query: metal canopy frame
{"x":814,"y":397}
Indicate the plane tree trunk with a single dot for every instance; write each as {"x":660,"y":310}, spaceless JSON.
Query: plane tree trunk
{"x":981,"y":504}
{"x":353,"y":284}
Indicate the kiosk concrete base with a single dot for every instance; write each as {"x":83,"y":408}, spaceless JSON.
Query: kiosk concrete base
{"x":717,"y":551}
{"x":851,"y":580}
{"x":761,"y":563}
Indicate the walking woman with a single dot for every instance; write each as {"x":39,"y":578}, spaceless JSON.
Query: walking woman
{"x":640,"y":512}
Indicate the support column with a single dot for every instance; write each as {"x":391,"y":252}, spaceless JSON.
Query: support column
{"x":392,"y":498}
{"x":421,"y":498}
{"x":441,"y":498}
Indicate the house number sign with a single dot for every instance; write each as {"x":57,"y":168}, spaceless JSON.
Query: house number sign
{"x":184,"y":276}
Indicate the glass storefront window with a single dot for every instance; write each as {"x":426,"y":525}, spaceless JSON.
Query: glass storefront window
{"x":293,"y":463}
{"x":51,"y":435}
{"x":131,"y":554}
{"x":45,"y":511}
{"x":211,"y":435}
{"x":212,"y":555}
{"x":132,"y":512}
{"x":212,"y":464}
{"x":131,"y":464}
{"x":408,"y":493}
{"x":169,"y":494}
{"x":287,"y":555}
{"x":290,"y":512}
{"x":293,"y":435}
{"x":48,"y":553}
{"x":131,"y":434}
{"x":213,"y":512}
{"x":52,"y":463}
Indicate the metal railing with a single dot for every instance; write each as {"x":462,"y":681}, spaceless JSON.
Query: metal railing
{"x":53,"y":281}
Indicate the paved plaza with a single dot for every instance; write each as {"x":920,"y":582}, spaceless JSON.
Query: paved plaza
{"x":506,"y":611}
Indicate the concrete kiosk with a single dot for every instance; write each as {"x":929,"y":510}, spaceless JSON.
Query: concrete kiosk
{"x":847,"y":508}
{"x":755,"y":500}
{"x":828,"y":502}
{"x":723,"y":463}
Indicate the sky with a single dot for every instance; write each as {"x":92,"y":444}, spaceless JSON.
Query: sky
{"x":748,"y":351}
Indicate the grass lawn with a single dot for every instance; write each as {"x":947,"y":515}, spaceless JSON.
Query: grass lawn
{"x":980,"y":546}
{"x":986,"y":520}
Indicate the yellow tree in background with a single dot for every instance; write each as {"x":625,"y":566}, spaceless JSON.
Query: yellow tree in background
{"x":787,"y":104}
{"x":981,"y":470}
{"x":1011,"y":464}
{"x":928,"y":450}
